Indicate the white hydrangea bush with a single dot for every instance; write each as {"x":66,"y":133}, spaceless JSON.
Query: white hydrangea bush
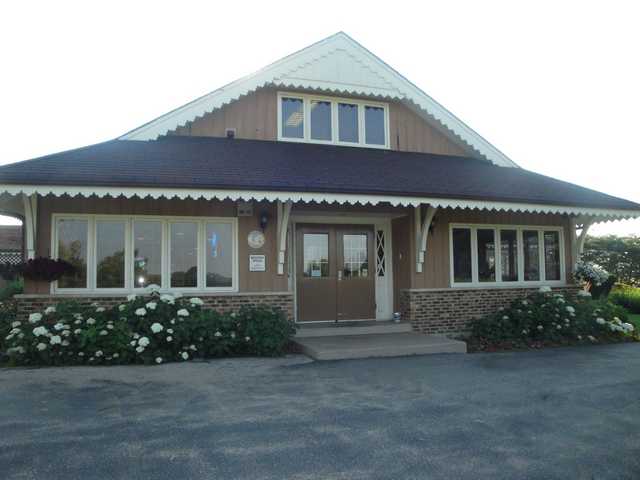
{"x":548,"y":318}
{"x":152,"y":329}
{"x":591,"y":273}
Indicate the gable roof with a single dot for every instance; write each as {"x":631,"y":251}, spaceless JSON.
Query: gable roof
{"x":208,"y":167}
{"x":338,"y":64}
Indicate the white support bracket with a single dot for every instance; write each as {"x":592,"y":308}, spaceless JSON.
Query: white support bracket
{"x":284,"y":212}
{"x":30,"y":205}
{"x":577,"y":241}
{"x":422,"y":233}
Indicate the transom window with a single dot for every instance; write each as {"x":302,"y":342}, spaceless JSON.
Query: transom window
{"x":129,"y":253}
{"x":314,"y":119}
{"x":483,"y":255}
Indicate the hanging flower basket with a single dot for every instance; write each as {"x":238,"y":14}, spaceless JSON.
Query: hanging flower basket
{"x":41,"y":269}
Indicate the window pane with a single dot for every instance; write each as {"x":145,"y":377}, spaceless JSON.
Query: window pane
{"x":184,"y":254}
{"x":316,"y":254}
{"x":348,"y":122}
{"x":109,"y":254}
{"x":461,"y":255}
{"x":509,"y":255}
{"x":356,"y":256}
{"x":374,"y":125}
{"x":486,"y":255}
{"x":320,"y":120}
{"x":72,"y":247}
{"x":292,"y":118}
{"x":147,"y":253}
{"x":531,"y":255}
{"x":552,"y":255}
{"x":219,"y":251}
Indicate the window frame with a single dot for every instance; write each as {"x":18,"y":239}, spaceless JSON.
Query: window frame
{"x":129,"y":249}
{"x":497,"y":228}
{"x":334,"y":101}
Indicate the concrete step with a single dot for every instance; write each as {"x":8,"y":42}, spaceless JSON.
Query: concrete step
{"x":353,"y":328}
{"x":340,"y":347}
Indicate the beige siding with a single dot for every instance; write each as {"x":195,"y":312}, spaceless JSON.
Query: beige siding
{"x":247,"y":282}
{"x":255,"y":117}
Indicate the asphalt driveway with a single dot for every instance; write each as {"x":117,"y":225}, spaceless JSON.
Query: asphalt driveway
{"x":560,"y":413}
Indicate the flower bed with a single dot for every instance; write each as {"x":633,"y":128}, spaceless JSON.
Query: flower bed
{"x":548,"y":319}
{"x":150,"y":330}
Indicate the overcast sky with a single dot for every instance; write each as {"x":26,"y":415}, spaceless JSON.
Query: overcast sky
{"x":554,"y":85}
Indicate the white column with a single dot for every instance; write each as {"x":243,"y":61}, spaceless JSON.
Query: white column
{"x":284,"y":211}
{"x":30,"y":205}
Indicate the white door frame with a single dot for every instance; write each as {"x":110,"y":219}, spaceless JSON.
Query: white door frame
{"x":384,"y":285}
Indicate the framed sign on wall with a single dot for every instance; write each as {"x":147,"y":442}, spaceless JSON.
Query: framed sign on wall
{"x":257,"y":263}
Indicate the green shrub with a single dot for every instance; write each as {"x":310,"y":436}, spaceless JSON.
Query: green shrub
{"x":152,"y":329}
{"x":548,"y":318}
{"x":12,"y":288}
{"x":626,"y":296}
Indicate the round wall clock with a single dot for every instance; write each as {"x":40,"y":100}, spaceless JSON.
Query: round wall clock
{"x":255,"y":239}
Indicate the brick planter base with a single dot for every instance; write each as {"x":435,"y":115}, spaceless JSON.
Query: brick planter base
{"x":221,"y":302}
{"x":449,"y":311}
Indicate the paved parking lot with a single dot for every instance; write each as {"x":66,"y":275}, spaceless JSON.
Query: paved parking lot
{"x":560,"y":413}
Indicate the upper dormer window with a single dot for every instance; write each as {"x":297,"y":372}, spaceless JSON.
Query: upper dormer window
{"x":314,"y":119}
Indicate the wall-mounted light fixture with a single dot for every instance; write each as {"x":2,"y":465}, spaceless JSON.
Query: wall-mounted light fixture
{"x":264,"y":220}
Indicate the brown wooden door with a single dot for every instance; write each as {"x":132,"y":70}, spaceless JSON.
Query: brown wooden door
{"x":356,"y":280}
{"x":334,"y":276}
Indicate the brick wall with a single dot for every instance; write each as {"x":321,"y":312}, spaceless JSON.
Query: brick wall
{"x":222,"y":302}
{"x":449,"y":311}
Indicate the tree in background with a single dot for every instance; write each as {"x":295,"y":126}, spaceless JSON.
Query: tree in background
{"x":620,"y":256}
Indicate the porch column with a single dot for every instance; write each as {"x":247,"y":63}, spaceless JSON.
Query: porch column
{"x":422,"y":233}
{"x":577,"y":241}
{"x":30,"y":205}
{"x":284,"y":211}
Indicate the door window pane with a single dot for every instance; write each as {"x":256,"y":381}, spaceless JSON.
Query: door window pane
{"x":320,"y":120}
{"x":374,"y":125}
{"x":316,"y":255}
{"x":72,"y":247}
{"x":552,"y":255}
{"x":509,"y":255}
{"x":531,"y":255}
{"x":356,"y":258}
{"x":292,"y":118}
{"x":184,"y":254}
{"x":348,"y":122}
{"x":109,"y":254}
{"x":486,"y":255}
{"x":461,"y":255}
{"x":219,"y":252}
{"x":147,"y":253}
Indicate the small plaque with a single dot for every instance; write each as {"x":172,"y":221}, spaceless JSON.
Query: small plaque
{"x":255,"y":239}
{"x":257,"y":263}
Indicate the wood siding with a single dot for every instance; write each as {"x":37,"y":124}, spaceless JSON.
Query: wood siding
{"x":255,"y":117}
{"x":247,"y":281}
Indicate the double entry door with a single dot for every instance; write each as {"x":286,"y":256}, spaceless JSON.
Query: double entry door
{"x":335,"y":272}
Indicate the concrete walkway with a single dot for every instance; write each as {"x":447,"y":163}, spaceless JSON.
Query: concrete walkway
{"x":340,"y":347}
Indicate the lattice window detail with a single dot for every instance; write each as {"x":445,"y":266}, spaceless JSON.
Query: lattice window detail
{"x":381,"y":259}
{"x":11,"y":257}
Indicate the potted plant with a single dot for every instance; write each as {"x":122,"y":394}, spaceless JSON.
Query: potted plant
{"x":590,"y":274}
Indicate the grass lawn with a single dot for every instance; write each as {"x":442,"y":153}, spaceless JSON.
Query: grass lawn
{"x":635,"y":319}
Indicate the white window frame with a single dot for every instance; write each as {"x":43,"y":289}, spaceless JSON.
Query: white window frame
{"x":334,"y":101}
{"x":129,"y":248}
{"x":521,"y":282}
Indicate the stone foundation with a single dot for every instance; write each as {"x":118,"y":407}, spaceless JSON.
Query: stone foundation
{"x":221,"y":302}
{"x":449,"y":311}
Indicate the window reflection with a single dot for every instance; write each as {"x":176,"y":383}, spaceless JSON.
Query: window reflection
{"x":292,"y":117}
{"x":110,"y":254}
{"x":72,"y":247}
{"x":348,"y":122}
{"x":184,"y":254}
{"x":147,"y":253}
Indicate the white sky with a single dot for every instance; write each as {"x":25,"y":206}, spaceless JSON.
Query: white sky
{"x":555,"y":85}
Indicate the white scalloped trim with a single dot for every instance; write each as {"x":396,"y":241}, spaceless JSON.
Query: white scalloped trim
{"x":381,"y":81}
{"x":306,"y":197}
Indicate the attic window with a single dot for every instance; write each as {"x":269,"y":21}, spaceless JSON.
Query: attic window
{"x":313,"y":119}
